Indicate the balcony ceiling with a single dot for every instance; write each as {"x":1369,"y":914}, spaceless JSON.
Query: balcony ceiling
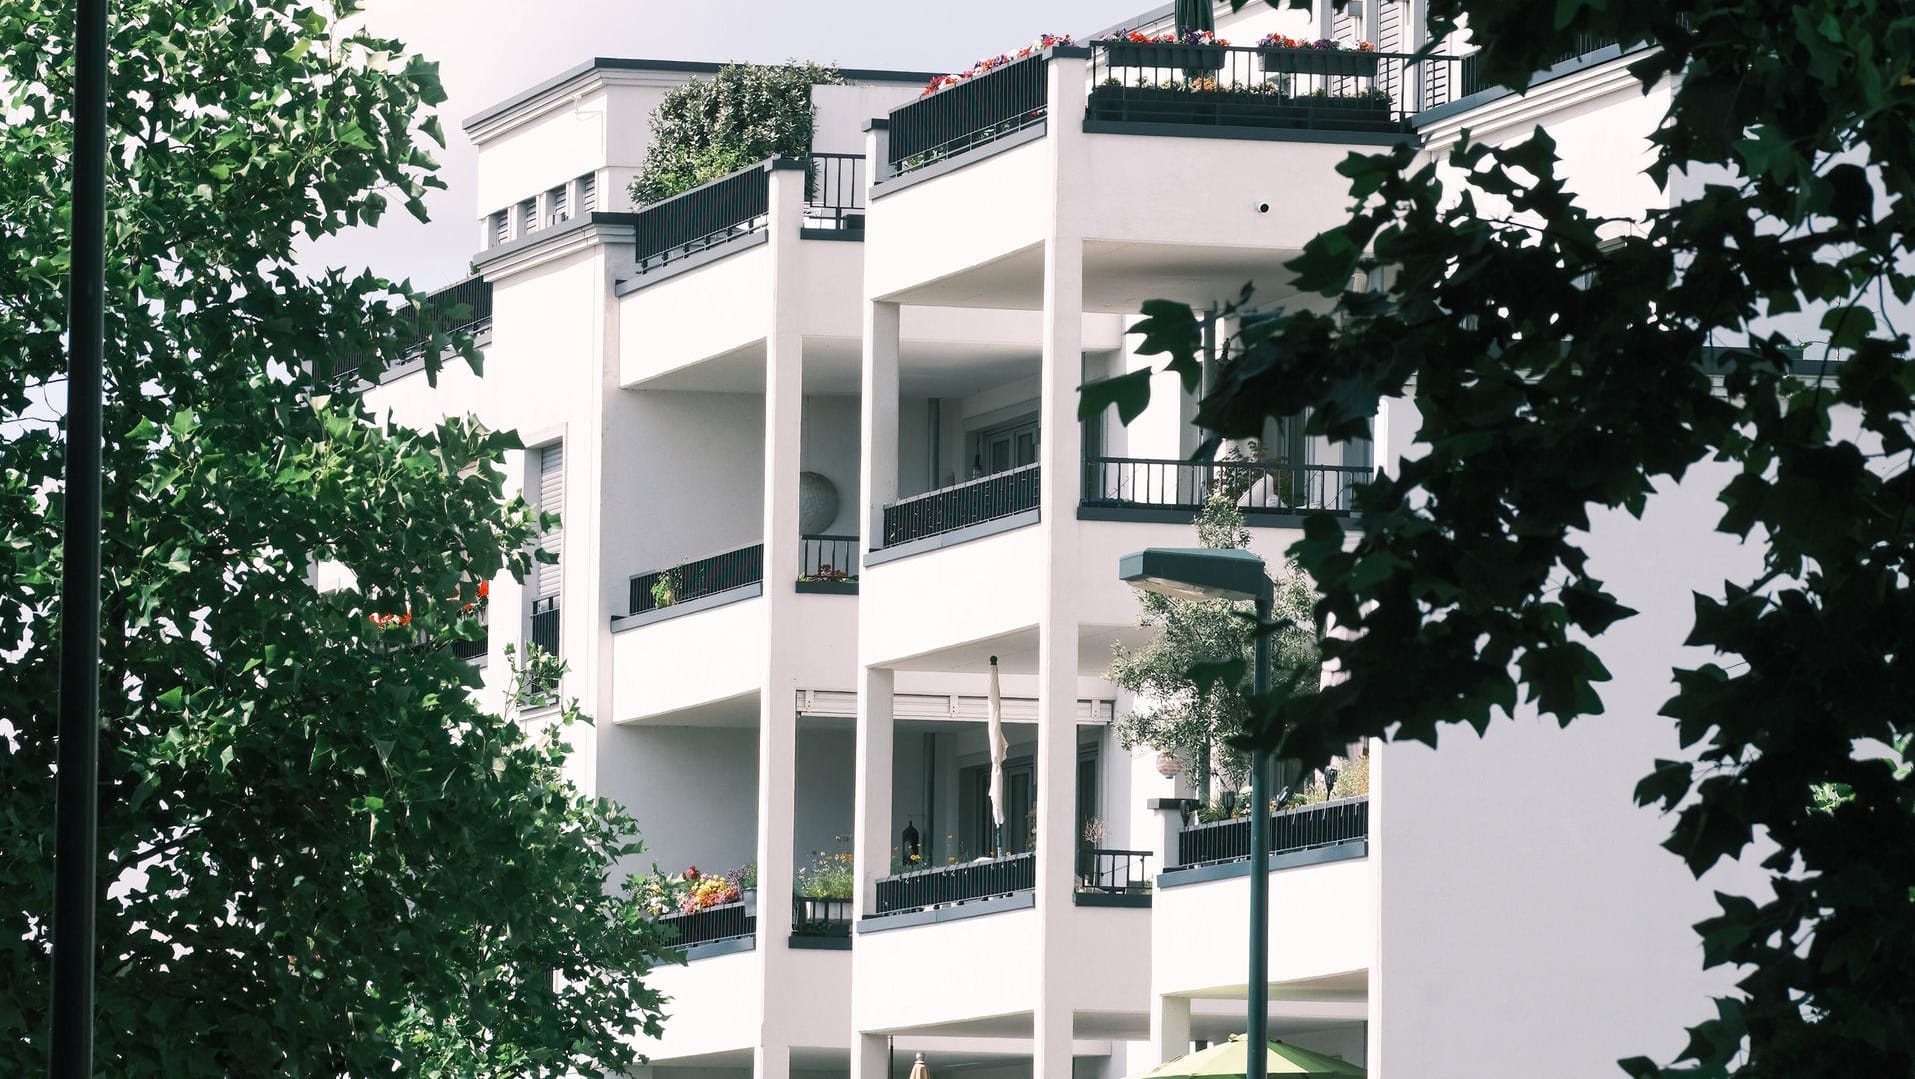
{"x":1119,"y":276}
{"x":1016,"y":652}
{"x":832,"y":366}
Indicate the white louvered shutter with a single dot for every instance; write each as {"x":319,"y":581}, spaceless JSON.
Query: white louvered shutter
{"x":551,"y":500}
{"x":1392,"y":22}
{"x":588,"y":193}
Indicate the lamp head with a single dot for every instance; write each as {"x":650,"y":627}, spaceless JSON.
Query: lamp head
{"x":1195,"y":573}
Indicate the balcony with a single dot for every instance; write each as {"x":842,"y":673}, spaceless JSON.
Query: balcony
{"x":952,"y":885}
{"x":1258,"y":90}
{"x":738,"y":205}
{"x":963,"y":506}
{"x":727,"y":927}
{"x":987,"y":108}
{"x":1136,"y":488}
{"x":1327,"y":831}
{"x":697,"y":585}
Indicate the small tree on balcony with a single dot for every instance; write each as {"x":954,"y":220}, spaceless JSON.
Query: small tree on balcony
{"x":1174,"y":714}
{"x":745,"y":113}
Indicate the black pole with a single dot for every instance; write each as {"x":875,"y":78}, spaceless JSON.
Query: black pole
{"x":76,"y":820}
{"x":1259,"y":981}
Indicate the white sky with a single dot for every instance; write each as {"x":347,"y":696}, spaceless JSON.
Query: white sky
{"x":489,"y":50}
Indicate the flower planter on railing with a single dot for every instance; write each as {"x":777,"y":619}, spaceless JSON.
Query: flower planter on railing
{"x":1320,"y":61}
{"x":986,"y":878}
{"x":1181,"y":57}
{"x":1325,"y":824}
{"x":818,"y":917}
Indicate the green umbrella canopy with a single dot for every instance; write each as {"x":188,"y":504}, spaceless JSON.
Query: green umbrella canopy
{"x":1194,"y":15}
{"x":1228,"y":1059}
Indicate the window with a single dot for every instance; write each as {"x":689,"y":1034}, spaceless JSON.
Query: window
{"x":551,"y":499}
{"x":528,"y":216}
{"x":1004,"y":447}
{"x":556,"y":208}
{"x":501,"y":227}
{"x":588,"y":193}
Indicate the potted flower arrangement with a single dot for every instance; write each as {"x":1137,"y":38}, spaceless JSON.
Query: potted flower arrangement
{"x":706,"y":890}
{"x":992,"y":63}
{"x":822,"y":905}
{"x":1320,"y":57}
{"x":1196,"y":50}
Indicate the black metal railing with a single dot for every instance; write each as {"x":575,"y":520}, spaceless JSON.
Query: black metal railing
{"x":1233,"y":86}
{"x":478,"y":647}
{"x":1119,"y":872}
{"x":701,"y":577}
{"x":704,"y":217}
{"x":815,"y":917}
{"x":948,"y":509}
{"x":982,"y":879}
{"x":827,"y":558}
{"x":1304,"y":828}
{"x":465,"y":307}
{"x":545,"y":625}
{"x":981,"y":109}
{"x":1140,"y":482}
{"x":726,"y":921}
{"x":834,"y":192}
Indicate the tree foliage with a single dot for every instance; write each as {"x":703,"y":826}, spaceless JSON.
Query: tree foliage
{"x":319,"y":856}
{"x":1791,"y":132}
{"x":745,"y":113}
{"x":1193,"y":720}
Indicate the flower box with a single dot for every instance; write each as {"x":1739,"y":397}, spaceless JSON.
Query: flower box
{"x":1319,"y":61}
{"x":1234,"y":108}
{"x":1186,"y":57}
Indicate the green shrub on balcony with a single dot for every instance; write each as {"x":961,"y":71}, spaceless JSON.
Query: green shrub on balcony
{"x":745,"y":113}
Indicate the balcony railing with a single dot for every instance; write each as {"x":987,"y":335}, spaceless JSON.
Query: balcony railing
{"x":981,"y":109}
{"x":727,"y":921}
{"x":1273,"y":487}
{"x":962,"y":505}
{"x":982,"y":879}
{"x":462,"y":308}
{"x":1304,"y":828}
{"x":545,"y":625}
{"x":477,"y":648}
{"x":1118,"y":872}
{"x":696,"y":579}
{"x":704,"y":217}
{"x":1231,"y":86}
{"x":812,"y":917}
{"x":834,"y":193}
{"x":828,"y":558}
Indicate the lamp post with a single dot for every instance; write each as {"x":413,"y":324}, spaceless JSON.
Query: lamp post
{"x":1214,"y":573}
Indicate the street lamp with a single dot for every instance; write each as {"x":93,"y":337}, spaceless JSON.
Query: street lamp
{"x":1212,"y":573}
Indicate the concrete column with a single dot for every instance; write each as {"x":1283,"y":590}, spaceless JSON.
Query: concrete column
{"x":877,"y":152}
{"x":870,"y":1056}
{"x":1169,"y":1028}
{"x":1062,"y":372}
{"x":873,"y":799}
{"x":771,"y":1061}
{"x":878,"y":405}
{"x":777,"y":709}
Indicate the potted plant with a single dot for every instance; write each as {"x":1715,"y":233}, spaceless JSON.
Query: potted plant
{"x":665,"y":588}
{"x":1196,"y":50}
{"x":1320,"y":57}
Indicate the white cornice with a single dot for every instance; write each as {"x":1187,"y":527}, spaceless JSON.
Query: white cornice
{"x":562,"y":94}
{"x":544,"y":250}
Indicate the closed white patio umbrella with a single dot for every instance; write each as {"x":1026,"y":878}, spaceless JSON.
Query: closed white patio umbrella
{"x":994,"y":735}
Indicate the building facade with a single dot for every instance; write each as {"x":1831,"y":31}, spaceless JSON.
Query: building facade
{"x":812,"y":430}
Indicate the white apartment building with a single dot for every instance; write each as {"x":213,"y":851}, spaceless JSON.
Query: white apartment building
{"x":816,"y":448}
